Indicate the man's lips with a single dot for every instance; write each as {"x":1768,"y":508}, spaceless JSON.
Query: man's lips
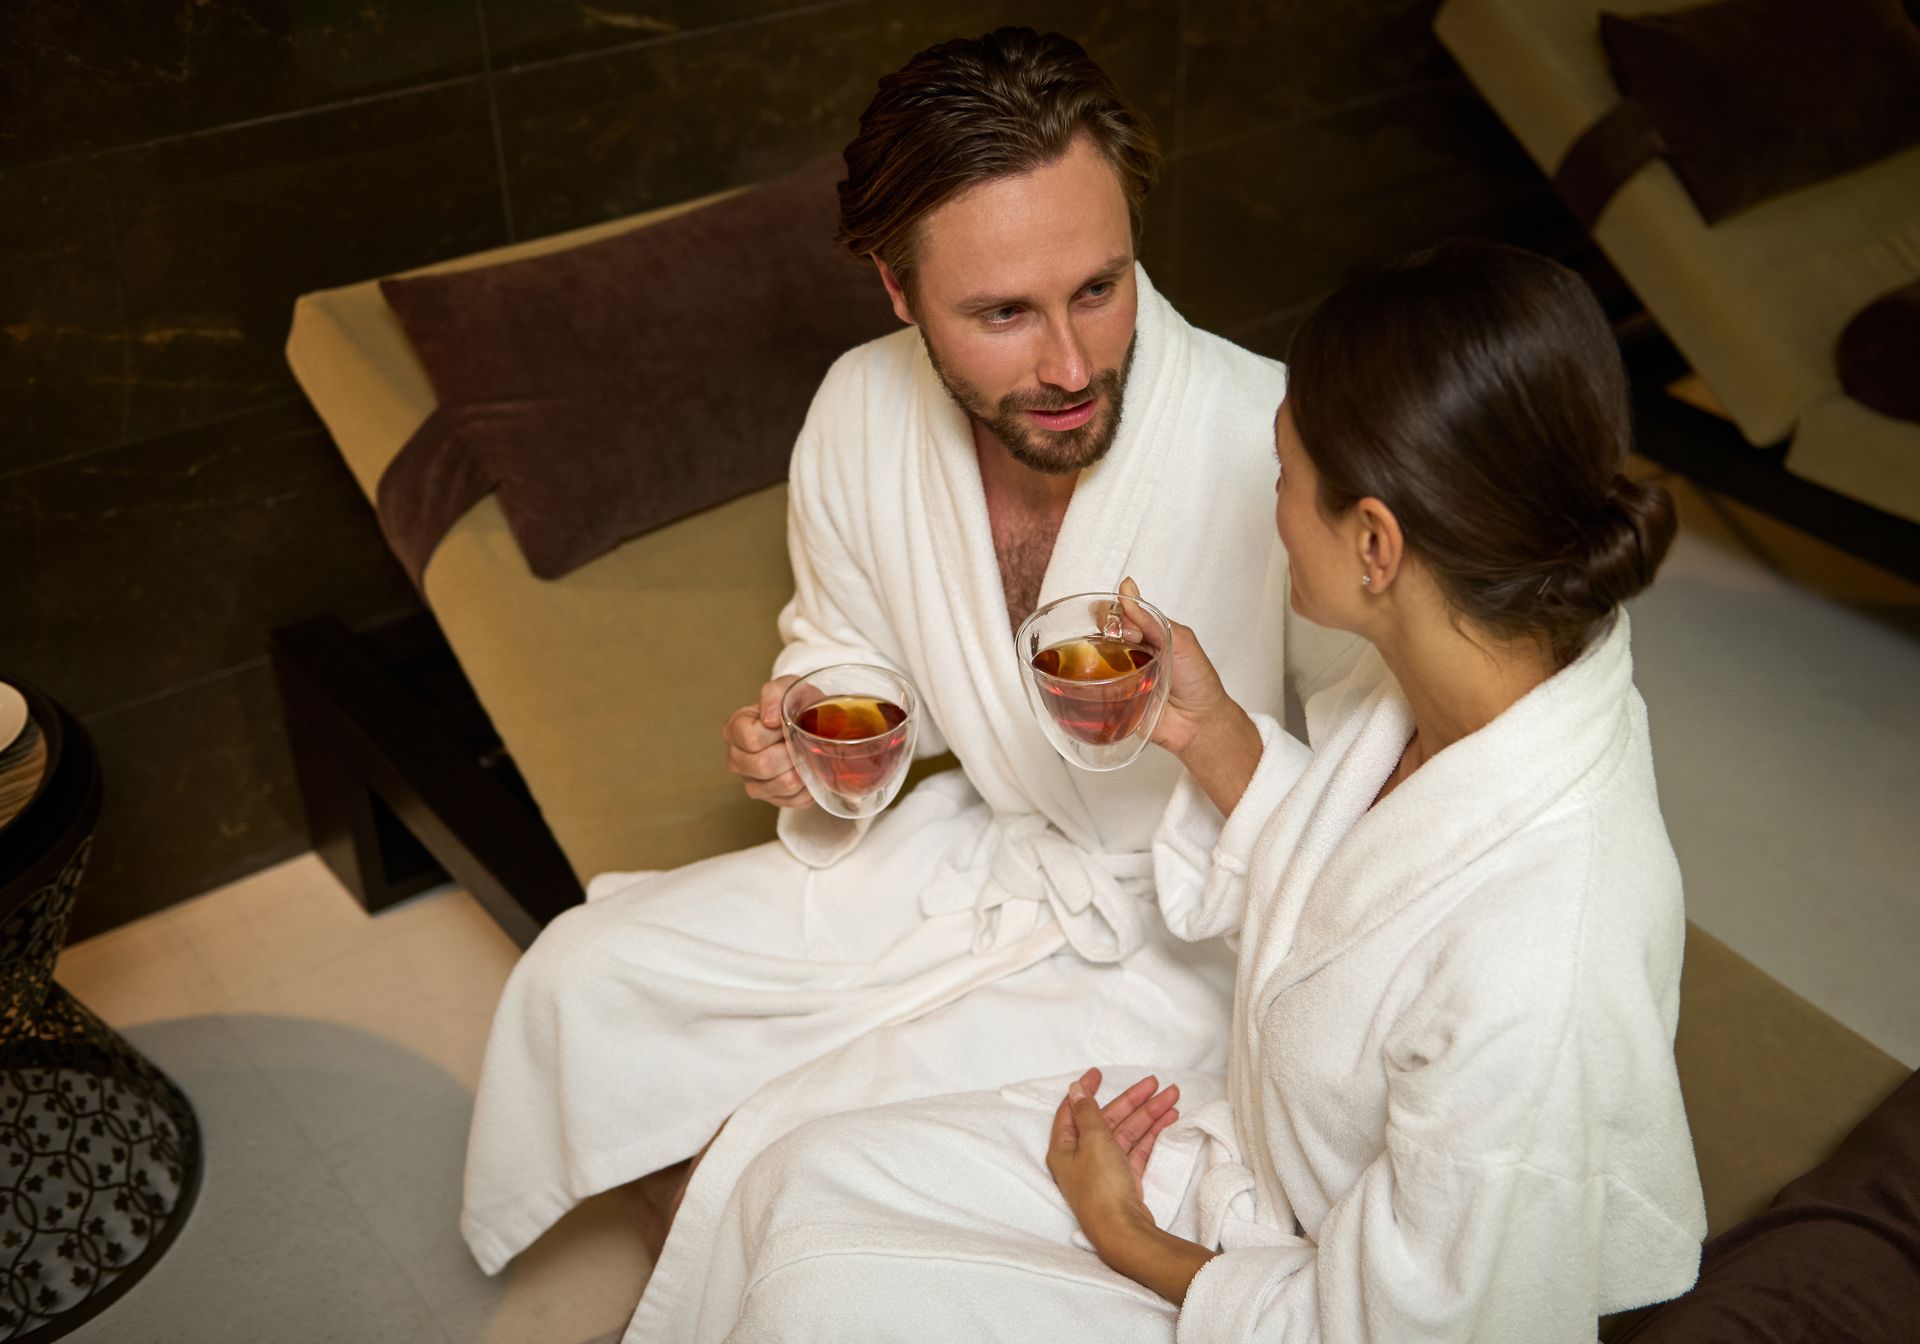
{"x":1071,"y":418}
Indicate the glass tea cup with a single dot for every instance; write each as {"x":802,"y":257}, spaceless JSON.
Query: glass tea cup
{"x":851,"y":729}
{"x":1094,"y":677}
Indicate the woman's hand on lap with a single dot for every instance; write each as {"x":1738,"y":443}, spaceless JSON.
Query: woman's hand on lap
{"x":1098,"y":1155}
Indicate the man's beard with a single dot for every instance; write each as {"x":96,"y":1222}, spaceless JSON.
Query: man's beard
{"x":1053,"y":451}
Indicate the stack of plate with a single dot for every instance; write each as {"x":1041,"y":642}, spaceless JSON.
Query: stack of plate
{"x":13,"y":715}
{"x":23,"y":755}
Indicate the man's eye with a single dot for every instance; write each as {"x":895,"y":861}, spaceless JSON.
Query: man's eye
{"x":1099,"y":289}
{"x":1001,"y":316}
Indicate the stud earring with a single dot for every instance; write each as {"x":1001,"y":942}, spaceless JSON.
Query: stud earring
{"x":1366,"y":580}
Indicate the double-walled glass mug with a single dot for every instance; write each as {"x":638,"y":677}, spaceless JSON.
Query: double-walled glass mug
{"x":851,"y":729}
{"x":1093,"y":675}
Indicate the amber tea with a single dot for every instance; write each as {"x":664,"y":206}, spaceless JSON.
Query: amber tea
{"x":849,"y":718}
{"x":1096,"y":689}
{"x":863,"y":741}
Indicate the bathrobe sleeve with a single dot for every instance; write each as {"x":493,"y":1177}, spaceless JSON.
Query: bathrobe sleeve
{"x":1200,"y":859}
{"x":1425,"y":1248}
{"x":1486,"y":1216}
{"x":835,"y":614}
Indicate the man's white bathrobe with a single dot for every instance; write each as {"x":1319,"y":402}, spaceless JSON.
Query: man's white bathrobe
{"x":998,"y":921}
{"x":1451,"y":1111}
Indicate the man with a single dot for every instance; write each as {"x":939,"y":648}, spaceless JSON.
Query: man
{"x":1046,"y":425}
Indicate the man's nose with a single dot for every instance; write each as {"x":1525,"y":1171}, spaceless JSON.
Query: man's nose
{"x":1063,"y":360}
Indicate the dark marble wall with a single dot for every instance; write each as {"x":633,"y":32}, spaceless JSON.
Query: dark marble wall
{"x":174,"y":172}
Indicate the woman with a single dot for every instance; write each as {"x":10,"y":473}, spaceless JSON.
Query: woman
{"x":1451,"y":1111}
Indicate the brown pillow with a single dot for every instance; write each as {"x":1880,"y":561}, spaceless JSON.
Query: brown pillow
{"x":1752,"y":98}
{"x":1835,"y":1257}
{"x":1880,"y":354}
{"x":615,"y":387}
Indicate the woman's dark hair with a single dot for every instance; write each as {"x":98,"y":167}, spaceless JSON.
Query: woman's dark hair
{"x":971,"y":110}
{"x":1475,"y":389}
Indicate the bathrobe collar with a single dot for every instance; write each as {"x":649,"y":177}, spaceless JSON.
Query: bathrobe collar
{"x":1473,"y":795}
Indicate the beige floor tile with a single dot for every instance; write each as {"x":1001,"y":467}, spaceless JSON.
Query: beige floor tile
{"x":274,"y":1249}
{"x":275,"y":924}
{"x":427,"y":992}
{"x":1781,"y":683}
{"x":142,"y":972}
{"x":579,"y":1281}
{"x":292,"y":1262}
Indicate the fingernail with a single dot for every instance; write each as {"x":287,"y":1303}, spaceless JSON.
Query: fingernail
{"x":1075,"y":1093}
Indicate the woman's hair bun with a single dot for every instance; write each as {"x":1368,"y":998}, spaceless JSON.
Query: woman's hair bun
{"x":1477,"y":390}
{"x":1621,"y":553}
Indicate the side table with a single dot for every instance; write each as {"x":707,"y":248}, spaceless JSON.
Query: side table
{"x":100,"y":1153}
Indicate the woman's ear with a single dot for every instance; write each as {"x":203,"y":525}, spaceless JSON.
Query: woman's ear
{"x":895,"y":291}
{"x":1381,"y":545}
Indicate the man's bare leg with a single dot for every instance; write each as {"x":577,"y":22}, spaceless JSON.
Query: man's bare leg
{"x":654,"y":1199}
{"x":650,"y":1202}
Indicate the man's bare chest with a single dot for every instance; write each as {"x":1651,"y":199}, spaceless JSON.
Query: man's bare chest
{"x":1023,"y":542}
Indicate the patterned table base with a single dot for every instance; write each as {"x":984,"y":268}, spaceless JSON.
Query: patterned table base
{"x":99,"y":1165}
{"x":99,"y":1151}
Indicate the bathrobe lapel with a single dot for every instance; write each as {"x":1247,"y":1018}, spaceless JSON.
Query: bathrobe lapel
{"x":1450,"y":812}
{"x":1011,"y":762}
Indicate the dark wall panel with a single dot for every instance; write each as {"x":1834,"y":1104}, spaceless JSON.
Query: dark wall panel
{"x":1288,"y":212}
{"x":217,"y":234}
{"x":1253,"y":63}
{"x":155,"y":283}
{"x":629,"y":130}
{"x":199,"y":791}
{"x":158,"y":564}
{"x":521,"y":32}
{"x":83,"y":75}
{"x":62,"y":337}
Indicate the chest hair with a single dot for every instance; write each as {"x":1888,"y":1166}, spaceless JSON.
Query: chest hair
{"x":1023,"y":545}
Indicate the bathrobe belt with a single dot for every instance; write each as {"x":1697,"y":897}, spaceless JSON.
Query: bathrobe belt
{"x":1227,"y":1203}
{"x":1099,"y":901}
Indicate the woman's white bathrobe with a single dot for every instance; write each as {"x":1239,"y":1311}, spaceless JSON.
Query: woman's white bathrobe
{"x":1451,"y":1111}
{"x":997,"y":922}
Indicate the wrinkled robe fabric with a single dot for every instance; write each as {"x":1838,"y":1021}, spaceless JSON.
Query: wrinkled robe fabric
{"x":1450,"y":1111}
{"x":996,"y":922}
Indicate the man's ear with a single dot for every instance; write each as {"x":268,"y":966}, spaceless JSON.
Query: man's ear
{"x":895,"y":291}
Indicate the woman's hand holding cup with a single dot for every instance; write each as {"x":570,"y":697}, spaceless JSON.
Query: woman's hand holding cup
{"x":1202,"y":725}
{"x":1196,"y":697}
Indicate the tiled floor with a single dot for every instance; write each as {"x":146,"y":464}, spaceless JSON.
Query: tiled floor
{"x":332,"y":1057}
{"x":1782,"y":681}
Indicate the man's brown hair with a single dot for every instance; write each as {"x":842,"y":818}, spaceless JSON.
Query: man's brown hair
{"x":973,"y":109}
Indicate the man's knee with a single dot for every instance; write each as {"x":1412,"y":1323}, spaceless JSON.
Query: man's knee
{"x":569,"y":954}
{"x":819,"y":1297}
{"x":799,"y":1174}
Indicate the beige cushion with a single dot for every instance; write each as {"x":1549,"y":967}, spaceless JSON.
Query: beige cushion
{"x":1772,"y":1084}
{"x":1755,"y":303}
{"x":608,"y":687}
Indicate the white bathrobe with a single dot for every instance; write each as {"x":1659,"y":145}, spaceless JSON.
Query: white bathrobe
{"x":998,"y":921}
{"x":1451,"y":1111}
